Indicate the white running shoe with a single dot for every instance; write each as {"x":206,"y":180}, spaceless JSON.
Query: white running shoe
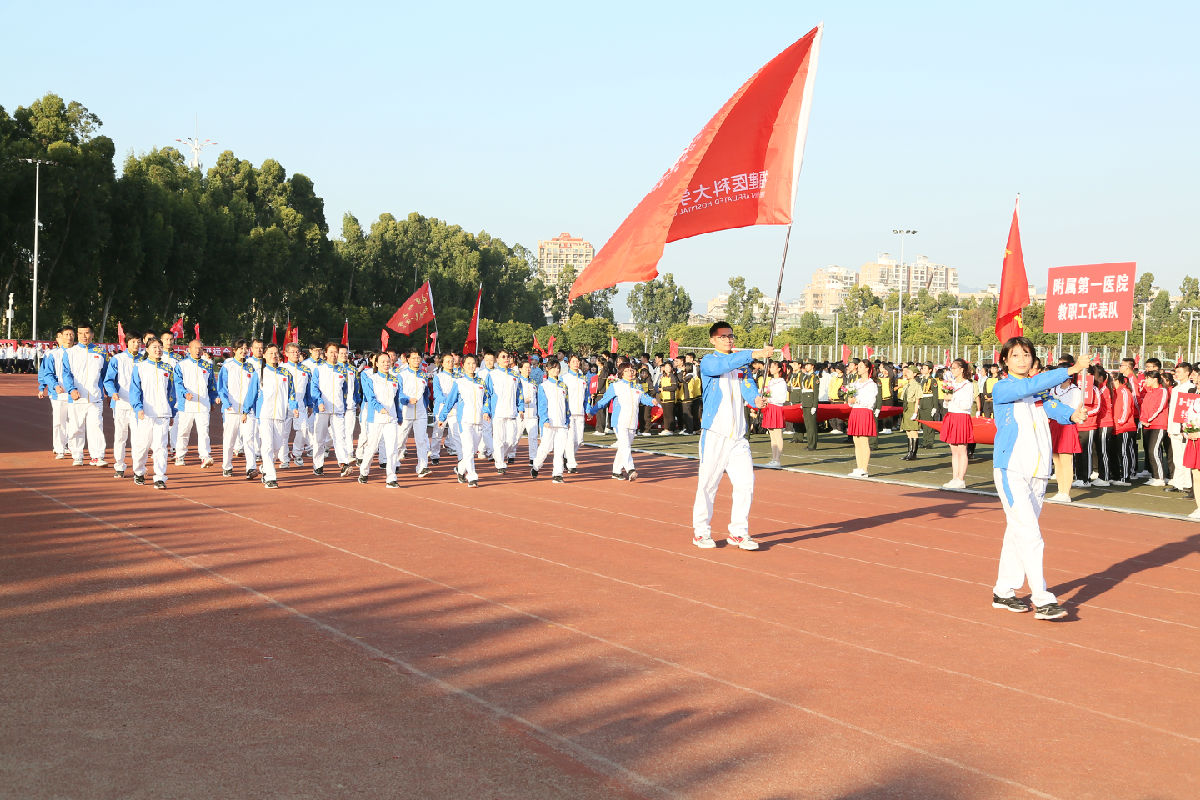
{"x":744,"y":542}
{"x":1079,"y":485}
{"x":1100,"y":482}
{"x":1156,"y":482}
{"x":1094,"y":475}
{"x":206,"y":463}
{"x":1195,"y":514}
{"x":954,"y":485}
{"x":1061,"y":498}
{"x":179,"y":462}
{"x":59,"y":456}
{"x":704,"y":542}
{"x":771,"y":465}
{"x":857,"y":473}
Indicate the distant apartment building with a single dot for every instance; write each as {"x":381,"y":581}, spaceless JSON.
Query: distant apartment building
{"x":555,"y":254}
{"x":885,"y":275}
{"x":827,"y":290}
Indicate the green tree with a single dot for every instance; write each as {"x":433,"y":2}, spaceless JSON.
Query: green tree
{"x":516,"y":336}
{"x":1143,"y":287}
{"x":657,"y":305}
{"x":588,"y":335}
{"x":745,"y":306}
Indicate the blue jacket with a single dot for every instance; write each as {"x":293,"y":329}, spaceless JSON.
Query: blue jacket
{"x":721,"y":408}
{"x":55,"y":370}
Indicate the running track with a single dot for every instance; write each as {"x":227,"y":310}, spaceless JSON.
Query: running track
{"x":574,"y":638}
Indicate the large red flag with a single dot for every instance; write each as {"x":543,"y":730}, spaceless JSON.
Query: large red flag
{"x":120,"y":334}
{"x":740,"y":170}
{"x":416,"y":311}
{"x":1014,"y":287}
{"x":472,"y":343}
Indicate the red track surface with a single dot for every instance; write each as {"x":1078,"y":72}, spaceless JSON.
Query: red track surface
{"x":534,"y":640}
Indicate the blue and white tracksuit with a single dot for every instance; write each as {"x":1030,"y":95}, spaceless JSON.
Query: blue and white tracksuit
{"x":578,"y":386}
{"x":327,"y":392}
{"x":152,"y":397}
{"x":273,"y":397}
{"x":299,"y":428}
{"x":353,"y":400}
{"x":528,"y":423}
{"x":1022,"y":463}
{"x":237,"y":418}
{"x":414,"y":416}
{"x":194,"y":377}
{"x":86,"y":414}
{"x":470,"y":402}
{"x":625,"y":397}
{"x":442,"y":383}
{"x":723,"y":446}
{"x":553,"y":416}
{"x":381,"y":396}
{"x":54,"y":373}
{"x":117,"y":379}
{"x":507,"y":405}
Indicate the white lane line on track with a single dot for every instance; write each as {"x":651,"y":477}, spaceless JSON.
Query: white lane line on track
{"x":562,"y":743}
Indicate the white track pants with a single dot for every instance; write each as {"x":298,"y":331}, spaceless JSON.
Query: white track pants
{"x":447,"y":435}
{"x":721,"y":455}
{"x":298,"y":429}
{"x":270,"y":438}
{"x":528,"y":425}
{"x":556,"y":439}
{"x":349,"y":420}
{"x":124,"y":429}
{"x":485,"y":444}
{"x":326,"y":427}
{"x":188,"y":419}
{"x":1181,"y":476}
{"x":574,"y":440}
{"x":151,"y":434}
{"x":59,"y":425}
{"x":504,"y":440}
{"x":469,"y":437}
{"x":1021,"y":553}
{"x":419,"y":429}
{"x":623,"y":460}
{"x":233,"y":429}
{"x":86,"y":418}
{"x":382,"y":436}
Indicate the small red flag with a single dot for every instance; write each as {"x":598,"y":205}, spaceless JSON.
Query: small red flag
{"x":177,"y":328}
{"x":846,"y":354}
{"x":472,"y":343}
{"x":947,"y":364}
{"x":120,"y":334}
{"x":674,"y":352}
{"x":416,"y":311}
{"x":550,"y":347}
{"x":432,"y":342}
{"x":787,"y":352}
{"x":346,"y":333}
{"x":1014,"y":286}
{"x":296,"y":335}
{"x":274,"y":335}
{"x":196,"y":328}
{"x":1049,"y":358}
{"x":870,"y":352}
{"x":287,"y":333}
{"x":383,"y":339}
{"x":1098,"y":359}
{"x":538,"y":345}
{"x":994,"y":356}
{"x":612,"y":345}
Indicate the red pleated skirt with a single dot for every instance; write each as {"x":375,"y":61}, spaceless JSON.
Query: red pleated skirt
{"x":861,"y":422}
{"x":1191,"y":456}
{"x":772,"y":416}
{"x":1064,"y":438}
{"x":957,"y":429}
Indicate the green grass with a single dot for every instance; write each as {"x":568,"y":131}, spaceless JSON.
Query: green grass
{"x":835,"y":456}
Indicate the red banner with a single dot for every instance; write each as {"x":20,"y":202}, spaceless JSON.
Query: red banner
{"x":612,"y":345}
{"x":1184,"y":404}
{"x":846,"y":354}
{"x":787,"y":352}
{"x":740,"y":170}
{"x":1014,"y":286}
{"x":383,"y":339}
{"x":1090,"y":298}
{"x":346,"y":333}
{"x":416,"y":311}
{"x":471,"y":345}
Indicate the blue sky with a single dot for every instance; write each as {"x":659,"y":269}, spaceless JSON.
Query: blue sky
{"x":529,"y":119}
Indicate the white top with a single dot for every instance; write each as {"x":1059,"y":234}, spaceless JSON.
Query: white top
{"x":961,"y":396}
{"x":777,"y":390}
{"x":866,"y":392}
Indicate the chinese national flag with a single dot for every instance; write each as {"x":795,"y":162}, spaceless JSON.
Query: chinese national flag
{"x":674,"y":352}
{"x":740,"y":170}
{"x":1014,"y":287}
{"x":346,"y":333}
{"x":120,"y":334}
{"x":287,"y":334}
{"x":870,"y":352}
{"x":416,"y":311}
{"x":472,"y":343}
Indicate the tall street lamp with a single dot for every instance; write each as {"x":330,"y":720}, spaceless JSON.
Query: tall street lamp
{"x":37,"y":227}
{"x":956,"y":315}
{"x":902,"y":232}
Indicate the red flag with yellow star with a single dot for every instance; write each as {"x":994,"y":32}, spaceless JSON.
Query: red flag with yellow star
{"x":1014,"y":286}
{"x":416,"y":311}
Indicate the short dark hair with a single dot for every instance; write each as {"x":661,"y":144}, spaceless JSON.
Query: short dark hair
{"x":1017,"y":341}
{"x":240,"y":343}
{"x":716,"y":326}
{"x":64,"y":329}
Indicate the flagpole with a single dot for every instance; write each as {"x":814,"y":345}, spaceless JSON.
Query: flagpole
{"x":779,"y":287}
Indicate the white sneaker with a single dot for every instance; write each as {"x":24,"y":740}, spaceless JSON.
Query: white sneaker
{"x":886,"y":430}
{"x":206,"y":463}
{"x":704,"y":542}
{"x":597,"y":433}
{"x":1061,"y":498}
{"x":771,"y":465}
{"x":1195,"y":514}
{"x":1079,"y":485}
{"x":1100,"y":482}
{"x":1156,"y":482}
{"x":954,"y":485}
{"x":179,"y":462}
{"x":858,"y":473}
{"x":1121,"y":483}
{"x":1094,"y":475}
{"x":744,"y":542}
{"x":1143,"y":474}
{"x":58,"y":456}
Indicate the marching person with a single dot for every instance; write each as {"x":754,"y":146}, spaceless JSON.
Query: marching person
{"x":297,"y":427}
{"x":167,"y":338}
{"x":1021,"y":471}
{"x":55,"y":382}
{"x":443,"y":381}
{"x":528,"y":423}
{"x":272,"y":397}
{"x":414,"y":416}
{"x":507,"y":404}
{"x":578,"y":383}
{"x":86,"y":409}
{"x":152,"y":397}
{"x":627,"y":398}
{"x":956,"y":424}
{"x":469,"y":400}
{"x":724,"y":449}
{"x":353,"y":399}
{"x":195,"y":391}
{"x":327,"y":396}
{"x":117,"y":380}
{"x":553,"y":415}
{"x":381,"y":398}
{"x":237,"y":424}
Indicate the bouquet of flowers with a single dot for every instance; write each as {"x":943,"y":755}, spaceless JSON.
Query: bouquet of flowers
{"x":849,"y":393}
{"x":1191,"y":425}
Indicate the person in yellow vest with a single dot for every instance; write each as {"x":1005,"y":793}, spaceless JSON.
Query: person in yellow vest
{"x":668,"y":395}
{"x":985,"y":399}
{"x":695,"y":403}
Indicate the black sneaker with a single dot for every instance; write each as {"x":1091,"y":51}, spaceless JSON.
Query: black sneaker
{"x":119,"y":474}
{"x":163,"y":485}
{"x":620,"y":476}
{"x":532,"y":472}
{"x":347,"y":470}
{"x":362,"y":479}
{"x":251,"y":474}
{"x":228,"y":473}
{"x":633,"y":475}
{"x":140,"y":480}
{"x":425,"y":473}
{"x":393,"y":484}
{"x":318,"y":470}
{"x":383,"y":465}
{"x":572,"y":470}
{"x":1014,"y":603}
{"x":557,"y":479}
{"x":271,"y":485}
{"x":473,"y":484}
{"x":501,"y":470}
{"x":1049,"y":611}
{"x":461,"y":478}
{"x":435,"y":461}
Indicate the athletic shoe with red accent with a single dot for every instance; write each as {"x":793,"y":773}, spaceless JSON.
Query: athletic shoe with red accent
{"x":744,"y":542}
{"x":704,"y":542}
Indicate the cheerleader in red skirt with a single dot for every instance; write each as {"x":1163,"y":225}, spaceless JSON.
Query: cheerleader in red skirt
{"x":956,"y":425}
{"x":861,"y":396}
{"x":1191,"y":456}
{"x":1064,"y":439}
{"x":772,"y":419}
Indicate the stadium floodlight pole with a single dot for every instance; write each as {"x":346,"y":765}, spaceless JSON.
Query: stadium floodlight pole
{"x":37,"y":227}
{"x":902,"y":232}
{"x":1145,"y":307}
{"x":196,"y":145}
